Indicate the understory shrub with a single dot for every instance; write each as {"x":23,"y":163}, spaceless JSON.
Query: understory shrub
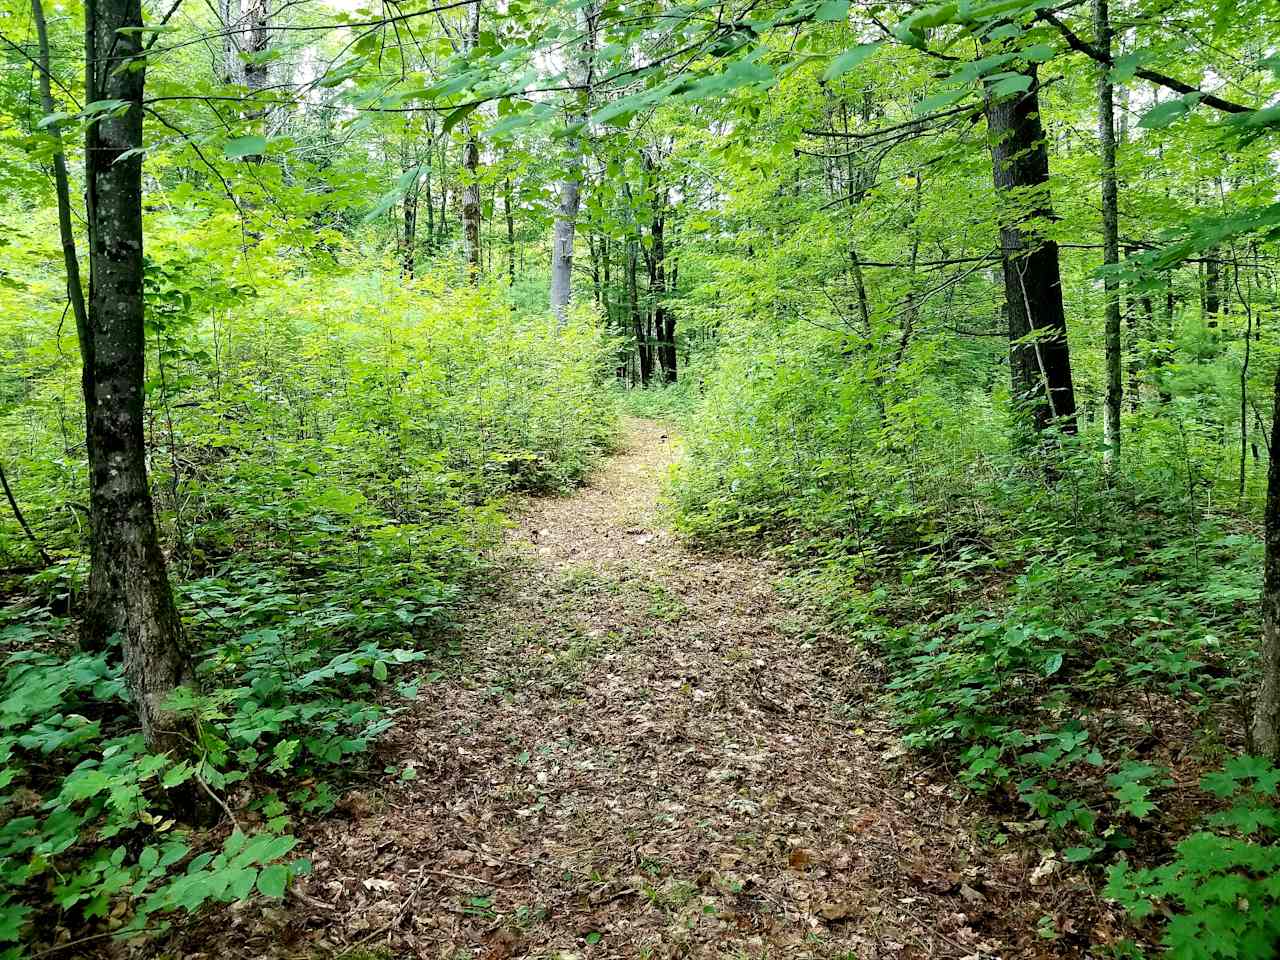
{"x":1053,"y":632}
{"x":330,"y":453}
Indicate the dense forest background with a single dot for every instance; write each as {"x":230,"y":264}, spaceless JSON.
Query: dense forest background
{"x":966,"y":311}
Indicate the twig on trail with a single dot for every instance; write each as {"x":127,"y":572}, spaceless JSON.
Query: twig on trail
{"x":423,"y":873}
{"x":505,"y":859}
{"x":71,"y":943}
{"x":461,"y":876}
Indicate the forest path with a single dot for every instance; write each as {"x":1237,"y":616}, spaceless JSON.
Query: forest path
{"x":644,"y":755}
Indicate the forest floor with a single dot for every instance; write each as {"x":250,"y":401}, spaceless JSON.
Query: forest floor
{"x":640,"y":751}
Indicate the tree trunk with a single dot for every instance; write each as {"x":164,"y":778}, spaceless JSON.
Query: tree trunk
{"x":1212,"y":289}
{"x":471,"y":208}
{"x":128,"y":567}
{"x":471,"y":166}
{"x":232,"y":65}
{"x":429,"y":203}
{"x":410,"y":231}
{"x":1039,"y":359}
{"x":1265,"y":729}
{"x":511,"y":230}
{"x":664,"y":324}
{"x":1110,"y":241}
{"x":644,"y":355}
{"x":562,"y":234}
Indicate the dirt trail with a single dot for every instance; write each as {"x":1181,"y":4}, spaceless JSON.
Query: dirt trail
{"x":644,"y":755}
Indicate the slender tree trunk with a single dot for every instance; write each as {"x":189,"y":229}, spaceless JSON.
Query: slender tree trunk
{"x":1114,"y":400}
{"x":511,"y":230}
{"x":562,"y":231}
{"x":1133,"y":338}
{"x":562,"y":234}
{"x":1039,"y":358}
{"x":410,"y":231}
{"x":126,"y":557}
{"x":644,"y":355}
{"x":21,"y":518}
{"x":429,"y":201}
{"x":443,"y":225}
{"x":471,"y":207}
{"x":664,"y":324}
{"x":1212,"y":289}
{"x":232,"y":65}
{"x":1265,"y":728}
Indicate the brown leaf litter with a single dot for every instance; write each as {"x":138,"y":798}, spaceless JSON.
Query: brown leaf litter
{"x":647,"y":755}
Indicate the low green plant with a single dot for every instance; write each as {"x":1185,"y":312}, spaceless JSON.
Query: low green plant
{"x":331,"y":455}
{"x":1221,"y":889}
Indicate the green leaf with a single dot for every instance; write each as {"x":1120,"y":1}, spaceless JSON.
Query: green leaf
{"x":242,"y":882}
{"x":849,"y":59}
{"x":380,"y":670}
{"x":1007,"y":86}
{"x":833,"y":11}
{"x":1039,"y":53}
{"x":1166,"y":113}
{"x":273,"y":880}
{"x":251,"y":145}
{"x":459,"y":115}
{"x":1125,"y":67}
{"x":939,"y":101}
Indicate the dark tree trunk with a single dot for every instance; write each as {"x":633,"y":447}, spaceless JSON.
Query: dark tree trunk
{"x":1114,"y":401}
{"x":1265,"y":728}
{"x":1212,"y":289}
{"x":1039,"y":359}
{"x":410,"y":231}
{"x":471,"y":208}
{"x":644,"y":352}
{"x":664,"y":324}
{"x":129,"y":583}
{"x":511,"y":230}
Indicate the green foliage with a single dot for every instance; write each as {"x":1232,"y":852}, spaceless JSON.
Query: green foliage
{"x":1222,"y":886}
{"x":331,"y":452}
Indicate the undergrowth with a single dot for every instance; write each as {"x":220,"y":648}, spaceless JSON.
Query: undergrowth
{"x":330,"y":457}
{"x":1076,"y":647}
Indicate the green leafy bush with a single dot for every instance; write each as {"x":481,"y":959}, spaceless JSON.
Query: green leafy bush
{"x":330,"y":458}
{"x":1222,"y":888}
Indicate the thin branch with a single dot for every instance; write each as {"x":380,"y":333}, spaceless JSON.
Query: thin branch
{"x":22,"y":521}
{"x":1172,"y":83}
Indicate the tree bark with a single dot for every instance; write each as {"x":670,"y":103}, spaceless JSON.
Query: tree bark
{"x":664,"y":324}
{"x":1114,"y":400}
{"x":511,"y":230}
{"x":644,"y":352}
{"x":128,"y":573}
{"x":1265,"y":728}
{"x":562,"y":232}
{"x":1212,"y":289}
{"x":232,"y":65}
{"x":471,"y":208}
{"x":410,"y":231}
{"x":1039,"y":358}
